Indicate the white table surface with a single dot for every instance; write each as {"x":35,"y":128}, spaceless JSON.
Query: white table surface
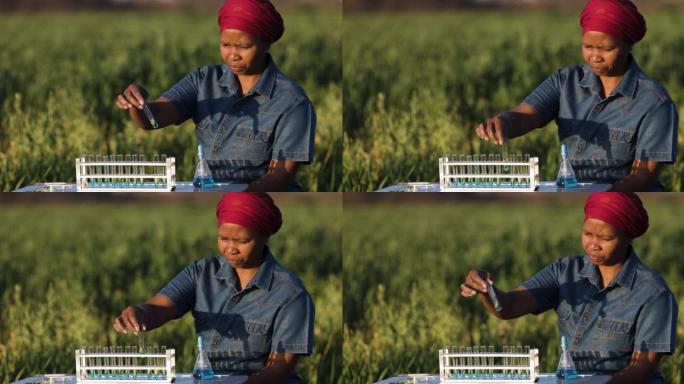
{"x":544,"y":378}
{"x":181,"y":378}
{"x":181,"y":186}
{"x":544,"y":186}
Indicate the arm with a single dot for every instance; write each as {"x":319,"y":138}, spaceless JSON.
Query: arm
{"x":281,"y":174}
{"x":641,"y":367}
{"x":278,"y":369}
{"x":149,"y":315}
{"x":507,"y":125}
{"x":642,"y":177}
{"x":516,"y":303}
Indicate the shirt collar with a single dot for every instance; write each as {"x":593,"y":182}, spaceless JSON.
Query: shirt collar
{"x":264,"y":85}
{"x":626,"y":276}
{"x":262,"y":279}
{"x":627,"y":86}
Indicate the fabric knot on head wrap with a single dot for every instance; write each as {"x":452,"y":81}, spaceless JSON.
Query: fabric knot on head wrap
{"x":255,"y":211}
{"x":256,"y":17}
{"x":618,"y":18}
{"x":623,"y":211}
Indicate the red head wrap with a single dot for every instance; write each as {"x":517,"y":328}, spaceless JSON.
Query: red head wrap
{"x":623,"y":211}
{"x":256,"y":17}
{"x":255,"y":211}
{"x":618,"y":18}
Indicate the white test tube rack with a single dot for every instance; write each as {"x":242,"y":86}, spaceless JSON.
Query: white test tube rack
{"x":89,"y":371}
{"x":150,"y":176}
{"x":527,"y":364}
{"x":456,"y":175}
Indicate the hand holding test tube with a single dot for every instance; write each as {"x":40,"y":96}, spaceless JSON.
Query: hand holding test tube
{"x":480,"y":282}
{"x":134,"y":96}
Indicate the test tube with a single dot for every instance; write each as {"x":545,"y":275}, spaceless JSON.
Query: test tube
{"x":476,"y":362}
{"x":519,"y":350}
{"x":127,"y":171}
{"x":141,"y":170}
{"x":150,"y":116}
{"x":505,"y":362}
{"x":119,"y":171}
{"x":527,"y":362}
{"x":490,"y":361}
{"x":469,"y":363}
{"x":163,"y":160}
{"x":477,"y":180}
{"x":484,"y":361}
{"x":527,"y":169}
{"x":163,"y":362}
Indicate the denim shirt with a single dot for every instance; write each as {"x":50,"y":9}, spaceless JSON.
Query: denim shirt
{"x":273,"y":313}
{"x":603,"y":326}
{"x":241,"y":135}
{"x":637,"y":121}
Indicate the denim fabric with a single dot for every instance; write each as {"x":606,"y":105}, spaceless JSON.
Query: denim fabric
{"x":637,"y":121}
{"x":241,"y":135}
{"x":274,"y":313}
{"x":635,"y":312}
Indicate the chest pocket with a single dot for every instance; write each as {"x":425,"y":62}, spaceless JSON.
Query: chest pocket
{"x":253,"y":144}
{"x":565,"y":320}
{"x":613,"y":335}
{"x":619,"y":143}
{"x":248,"y":339}
{"x":206,"y":132}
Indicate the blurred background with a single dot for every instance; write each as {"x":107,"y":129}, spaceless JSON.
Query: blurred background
{"x":70,"y":263}
{"x":63,"y":62}
{"x":419,"y":76}
{"x":405,"y":256}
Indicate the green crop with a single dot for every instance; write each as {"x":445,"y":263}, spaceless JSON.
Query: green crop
{"x":417,"y":85}
{"x":69,"y":269}
{"x":60,"y":74}
{"x":404,"y":263}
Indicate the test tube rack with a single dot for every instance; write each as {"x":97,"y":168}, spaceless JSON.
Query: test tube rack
{"x":465,"y":174}
{"x":488,"y":367}
{"x":98,"y":367}
{"x":125,"y":176}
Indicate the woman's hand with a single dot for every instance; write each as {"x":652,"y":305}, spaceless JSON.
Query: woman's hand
{"x":130,"y":320}
{"x":476,"y":282}
{"x":494,"y":129}
{"x":133,"y":96}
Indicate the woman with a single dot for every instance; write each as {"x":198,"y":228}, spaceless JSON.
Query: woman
{"x":255,"y":316}
{"x":256,"y":126}
{"x":618,"y":316}
{"x":619,"y":125}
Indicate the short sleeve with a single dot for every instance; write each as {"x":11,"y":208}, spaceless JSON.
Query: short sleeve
{"x":544,"y":287}
{"x":545,"y":99}
{"x":294,"y":136}
{"x":656,"y":325}
{"x":657,"y":138}
{"x":181,"y":290}
{"x":293,"y":326}
{"x":183,"y":94}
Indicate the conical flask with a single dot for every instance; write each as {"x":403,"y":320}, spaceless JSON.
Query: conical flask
{"x":566,"y":175}
{"x":566,"y":367}
{"x":202,"y":177}
{"x":202,"y":369}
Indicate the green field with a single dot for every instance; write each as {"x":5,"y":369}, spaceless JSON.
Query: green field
{"x":416,"y":86}
{"x":68,"y":269}
{"x":403,"y":264}
{"x":60,"y":73}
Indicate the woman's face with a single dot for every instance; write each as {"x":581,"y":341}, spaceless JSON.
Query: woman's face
{"x":240,"y":246}
{"x":604,"y":244}
{"x":245,"y":54}
{"x":606,"y":55}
